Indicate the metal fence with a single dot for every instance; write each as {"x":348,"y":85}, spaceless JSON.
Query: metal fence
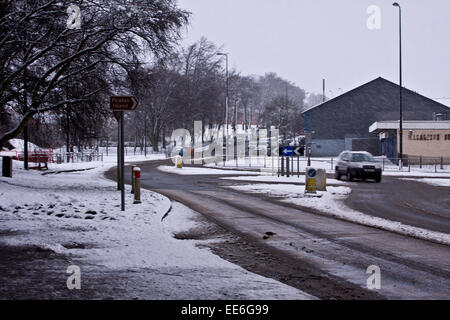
{"x":416,"y":163}
{"x":73,"y":157}
{"x":58,"y":158}
{"x":296,"y":165}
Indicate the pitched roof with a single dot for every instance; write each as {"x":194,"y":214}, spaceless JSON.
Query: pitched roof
{"x":379,"y":79}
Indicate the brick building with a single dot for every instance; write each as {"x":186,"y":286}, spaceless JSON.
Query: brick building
{"x":343,"y":122}
{"x":420,"y":138}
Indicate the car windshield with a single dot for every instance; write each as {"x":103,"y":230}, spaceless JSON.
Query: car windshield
{"x":362,"y":157}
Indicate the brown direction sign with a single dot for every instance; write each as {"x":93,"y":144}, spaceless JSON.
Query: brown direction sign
{"x":123,"y":103}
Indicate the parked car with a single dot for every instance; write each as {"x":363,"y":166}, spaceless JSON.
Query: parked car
{"x":359,"y":165}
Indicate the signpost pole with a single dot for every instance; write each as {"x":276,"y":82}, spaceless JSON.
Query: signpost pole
{"x":287,"y":166}
{"x":119,"y":104}
{"x":118,"y":155}
{"x":122,"y":163}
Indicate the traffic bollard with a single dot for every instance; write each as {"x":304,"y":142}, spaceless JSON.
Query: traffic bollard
{"x":132,"y":179}
{"x":7,"y":167}
{"x":310,"y":180}
{"x":137,"y":185}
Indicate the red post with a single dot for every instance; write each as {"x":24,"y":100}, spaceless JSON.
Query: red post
{"x":137,"y":185}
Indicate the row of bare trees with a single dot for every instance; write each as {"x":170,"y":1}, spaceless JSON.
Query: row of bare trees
{"x":189,"y":85}
{"x":55,"y":80}
{"x":64,"y":75}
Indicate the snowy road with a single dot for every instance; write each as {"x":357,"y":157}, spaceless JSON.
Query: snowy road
{"x":411,"y":202}
{"x":320,"y":255}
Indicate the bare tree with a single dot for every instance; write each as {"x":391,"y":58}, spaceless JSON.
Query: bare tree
{"x":41,"y":57}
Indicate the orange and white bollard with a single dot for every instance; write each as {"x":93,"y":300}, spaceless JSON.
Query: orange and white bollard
{"x":137,"y":185}
{"x":132,"y":179}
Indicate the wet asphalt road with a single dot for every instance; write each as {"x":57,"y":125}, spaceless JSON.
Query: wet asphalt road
{"x":410,"y":202}
{"x":330,"y":255}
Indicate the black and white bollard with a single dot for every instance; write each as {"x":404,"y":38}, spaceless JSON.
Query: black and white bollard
{"x":137,"y":185}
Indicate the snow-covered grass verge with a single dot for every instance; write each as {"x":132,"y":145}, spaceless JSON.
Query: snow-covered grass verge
{"x":269,"y":164}
{"x":78,"y":214}
{"x":203,"y":171}
{"x":108,"y":161}
{"x":331,"y":203}
{"x":433,"y":182}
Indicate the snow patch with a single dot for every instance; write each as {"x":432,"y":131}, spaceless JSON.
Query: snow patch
{"x":203,"y":171}
{"x":78,"y":214}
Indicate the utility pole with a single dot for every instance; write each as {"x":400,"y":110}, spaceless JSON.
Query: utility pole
{"x":323,"y":90}
{"x":25,"y":134}
{"x":395,"y":4}
{"x":145,"y":134}
{"x":226,"y":106}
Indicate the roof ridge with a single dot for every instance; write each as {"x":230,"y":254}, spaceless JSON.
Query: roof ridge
{"x":367,"y":83}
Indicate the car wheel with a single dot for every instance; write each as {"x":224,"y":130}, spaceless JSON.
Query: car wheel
{"x":378,"y":179}
{"x":337,"y":175}
{"x":350,"y":176}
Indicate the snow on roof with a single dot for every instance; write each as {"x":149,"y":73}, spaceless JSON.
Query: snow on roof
{"x":18,"y":145}
{"x":408,"y":125}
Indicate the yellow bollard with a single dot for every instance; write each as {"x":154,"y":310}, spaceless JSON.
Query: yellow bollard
{"x":321,"y":180}
{"x":310,"y":183}
{"x":179,"y":162}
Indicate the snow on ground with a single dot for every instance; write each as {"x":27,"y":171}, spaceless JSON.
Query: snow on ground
{"x":267,"y":163}
{"x":78,"y":214}
{"x":275,"y":179}
{"x":433,"y":182}
{"x":202,"y":171}
{"x":331,"y":203}
{"x":418,"y":173}
{"x":328,"y":164}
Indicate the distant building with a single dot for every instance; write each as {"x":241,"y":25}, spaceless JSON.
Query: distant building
{"x":420,"y":138}
{"x":343,"y":122}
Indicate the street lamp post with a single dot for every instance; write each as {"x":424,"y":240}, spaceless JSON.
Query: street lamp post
{"x":395,"y":4}
{"x":226,"y":100}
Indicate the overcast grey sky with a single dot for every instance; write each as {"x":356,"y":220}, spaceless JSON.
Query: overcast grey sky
{"x":305,"y":41}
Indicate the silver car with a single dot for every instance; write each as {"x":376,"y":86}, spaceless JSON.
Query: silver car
{"x":357,"y":165}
